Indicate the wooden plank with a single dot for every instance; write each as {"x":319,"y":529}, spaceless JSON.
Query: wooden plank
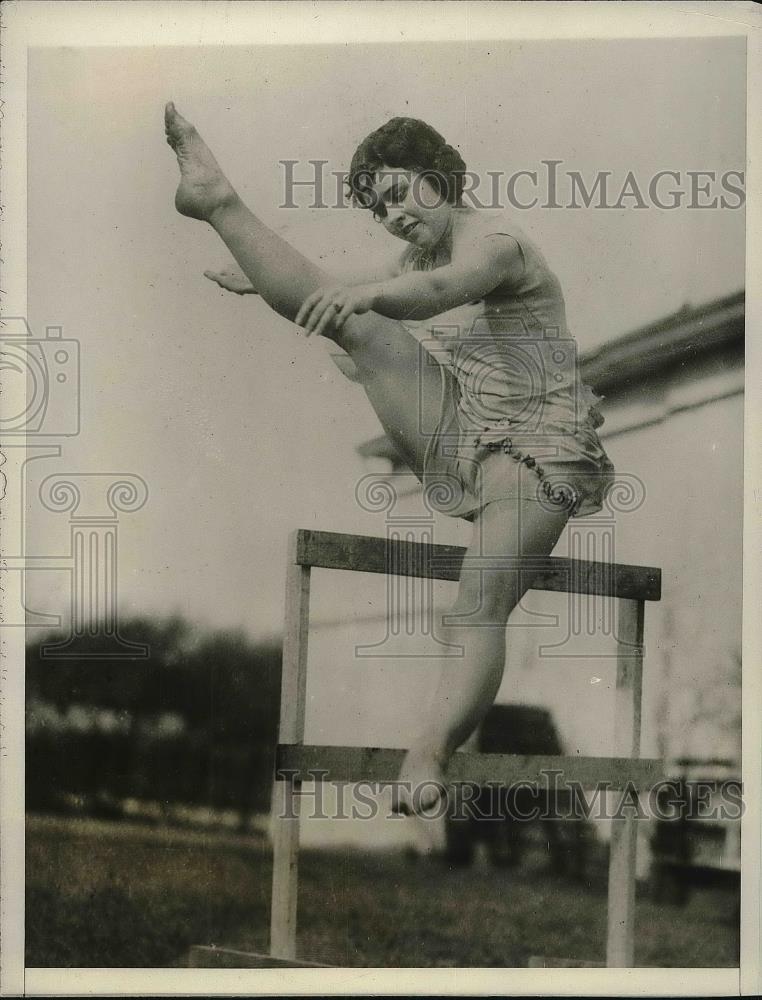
{"x":365,"y":554}
{"x":285,"y":801}
{"x":211,"y":957}
{"x":293,"y":699}
{"x":538,"y":962}
{"x":368,"y":554}
{"x":620,"y":944}
{"x":378,"y":765}
{"x":285,"y":881}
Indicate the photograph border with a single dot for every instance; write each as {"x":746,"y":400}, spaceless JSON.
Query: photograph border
{"x":52,"y":23}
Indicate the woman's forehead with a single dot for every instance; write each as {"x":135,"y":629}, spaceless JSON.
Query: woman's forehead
{"x":386,"y":177}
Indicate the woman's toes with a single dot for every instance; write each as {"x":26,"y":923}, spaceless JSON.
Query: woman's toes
{"x":176,"y":127}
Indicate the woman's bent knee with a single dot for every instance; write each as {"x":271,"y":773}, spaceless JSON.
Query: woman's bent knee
{"x":485,"y":598}
{"x":356,"y":336}
{"x":375,"y":342}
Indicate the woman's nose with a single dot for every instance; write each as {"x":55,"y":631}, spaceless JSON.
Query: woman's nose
{"x":397,"y":218}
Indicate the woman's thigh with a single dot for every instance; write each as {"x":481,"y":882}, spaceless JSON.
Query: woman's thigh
{"x":403,"y":381}
{"x":504,"y":532}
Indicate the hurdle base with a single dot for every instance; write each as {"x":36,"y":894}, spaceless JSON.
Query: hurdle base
{"x":541,"y":962}
{"x":204,"y":956}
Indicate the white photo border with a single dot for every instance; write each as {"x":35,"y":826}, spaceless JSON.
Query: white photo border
{"x":28,"y":24}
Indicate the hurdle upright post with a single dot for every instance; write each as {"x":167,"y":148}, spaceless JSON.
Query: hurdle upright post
{"x":629,"y":585}
{"x":286,"y":791}
{"x":620,"y":940}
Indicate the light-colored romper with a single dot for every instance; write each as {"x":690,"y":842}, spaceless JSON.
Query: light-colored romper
{"x":516,"y":419}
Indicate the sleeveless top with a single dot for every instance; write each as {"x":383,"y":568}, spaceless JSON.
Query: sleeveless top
{"x":515,"y":362}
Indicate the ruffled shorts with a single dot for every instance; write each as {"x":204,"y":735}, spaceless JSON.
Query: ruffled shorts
{"x":553,"y":457}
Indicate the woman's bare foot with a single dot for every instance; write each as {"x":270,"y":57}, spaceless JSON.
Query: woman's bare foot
{"x":422,"y":784}
{"x":203,"y":187}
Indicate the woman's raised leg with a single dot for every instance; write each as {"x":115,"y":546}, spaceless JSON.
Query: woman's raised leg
{"x":402,"y":384}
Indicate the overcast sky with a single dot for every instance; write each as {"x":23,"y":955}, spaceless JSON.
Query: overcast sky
{"x":240,"y":428}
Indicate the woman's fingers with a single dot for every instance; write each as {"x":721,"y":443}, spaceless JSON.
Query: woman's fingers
{"x":222,"y":278}
{"x":319,"y":316}
{"x":311,"y":315}
{"x":231,"y":281}
{"x":323,"y":307}
{"x":343,"y":315}
{"x":329,"y":316}
{"x":307,"y":306}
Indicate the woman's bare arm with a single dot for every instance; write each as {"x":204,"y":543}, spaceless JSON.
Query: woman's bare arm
{"x":234,"y":280}
{"x":478,"y":266}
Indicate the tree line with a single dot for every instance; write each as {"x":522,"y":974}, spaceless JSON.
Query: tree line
{"x":194,"y":722}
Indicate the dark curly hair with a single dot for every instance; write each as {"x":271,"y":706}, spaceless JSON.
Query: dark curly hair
{"x":408,"y":144}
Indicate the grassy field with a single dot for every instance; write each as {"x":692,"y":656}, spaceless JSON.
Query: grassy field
{"x":118,"y":894}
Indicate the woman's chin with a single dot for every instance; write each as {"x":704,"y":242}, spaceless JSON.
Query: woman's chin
{"x":420,"y":237}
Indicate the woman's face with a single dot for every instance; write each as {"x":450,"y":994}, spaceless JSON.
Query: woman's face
{"x":410,"y":207}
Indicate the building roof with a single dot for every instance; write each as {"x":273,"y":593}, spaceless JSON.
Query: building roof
{"x":676,"y":339}
{"x":673,"y":340}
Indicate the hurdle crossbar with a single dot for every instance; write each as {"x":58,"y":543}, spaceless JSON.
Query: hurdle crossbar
{"x":296,"y":763}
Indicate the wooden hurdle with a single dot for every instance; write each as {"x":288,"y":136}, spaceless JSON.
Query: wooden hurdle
{"x":632,"y":586}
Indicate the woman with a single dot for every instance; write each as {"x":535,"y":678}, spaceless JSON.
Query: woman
{"x":515,"y":450}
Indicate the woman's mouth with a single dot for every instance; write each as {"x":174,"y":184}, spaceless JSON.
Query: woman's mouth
{"x":408,"y":229}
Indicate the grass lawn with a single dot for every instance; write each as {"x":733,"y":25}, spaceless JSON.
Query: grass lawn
{"x":119,"y":894}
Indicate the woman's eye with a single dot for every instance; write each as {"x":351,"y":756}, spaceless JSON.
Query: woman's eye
{"x":396,"y":195}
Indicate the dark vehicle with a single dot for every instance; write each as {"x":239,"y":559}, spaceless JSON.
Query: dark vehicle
{"x":490,"y":817}
{"x":696,"y":837}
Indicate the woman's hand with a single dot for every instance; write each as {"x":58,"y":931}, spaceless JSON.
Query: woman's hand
{"x":333,"y":306}
{"x":232,"y":281}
